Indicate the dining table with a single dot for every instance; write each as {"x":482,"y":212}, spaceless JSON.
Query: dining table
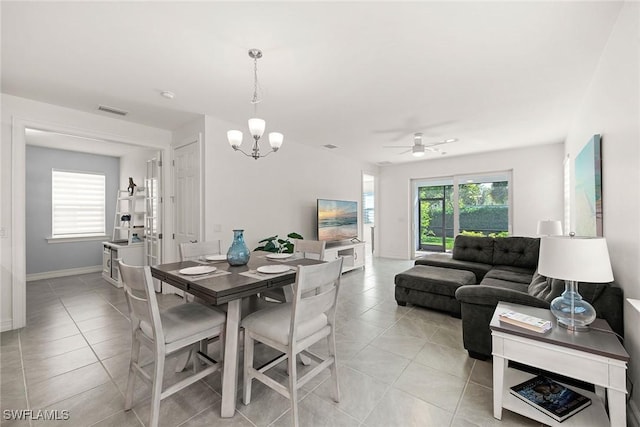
{"x":231,"y":285}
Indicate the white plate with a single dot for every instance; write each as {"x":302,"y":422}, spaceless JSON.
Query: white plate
{"x":279,"y":256}
{"x":194,"y":271}
{"x":218,"y":257}
{"x":273,"y":269}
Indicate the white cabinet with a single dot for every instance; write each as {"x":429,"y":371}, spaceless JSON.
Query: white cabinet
{"x":351,"y":253}
{"x":132,"y":254}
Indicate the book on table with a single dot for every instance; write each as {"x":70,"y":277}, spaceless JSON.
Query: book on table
{"x":554,"y":399}
{"x":522,"y":320}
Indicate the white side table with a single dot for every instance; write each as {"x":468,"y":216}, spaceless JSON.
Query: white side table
{"x":595,"y":357}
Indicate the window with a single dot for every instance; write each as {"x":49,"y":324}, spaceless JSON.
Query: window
{"x":476,"y":205}
{"x":78,"y":204}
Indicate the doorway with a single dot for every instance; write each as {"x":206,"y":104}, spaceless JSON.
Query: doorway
{"x":368,"y":212}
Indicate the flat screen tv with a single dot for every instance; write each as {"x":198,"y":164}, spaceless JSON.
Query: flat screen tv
{"x":337,"y":220}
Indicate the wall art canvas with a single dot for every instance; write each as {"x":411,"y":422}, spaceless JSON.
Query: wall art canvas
{"x":588,"y":189}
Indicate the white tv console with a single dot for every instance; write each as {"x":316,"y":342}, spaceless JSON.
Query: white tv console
{"x":351,"y":253}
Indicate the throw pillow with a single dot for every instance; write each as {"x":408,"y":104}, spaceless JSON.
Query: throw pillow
{"x":544,"y":287}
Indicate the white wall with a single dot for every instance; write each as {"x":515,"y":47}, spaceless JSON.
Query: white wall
{"x":536,"y":188}
{"x":611,"y":108}
{"x":273,"y":195}
{"x":134,"y":164}
{"x":16,"y":114}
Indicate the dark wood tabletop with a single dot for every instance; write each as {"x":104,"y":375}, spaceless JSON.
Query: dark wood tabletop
{"x":222,"y":288}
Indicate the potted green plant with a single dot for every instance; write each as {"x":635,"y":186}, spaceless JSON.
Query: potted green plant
{"x":273,"y":244}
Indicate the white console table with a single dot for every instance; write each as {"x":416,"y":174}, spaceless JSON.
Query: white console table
{"x":595,"y":357}
{"x":352,"y":254}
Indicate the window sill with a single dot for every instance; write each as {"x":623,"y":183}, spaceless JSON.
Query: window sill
{"x":77,"y":239}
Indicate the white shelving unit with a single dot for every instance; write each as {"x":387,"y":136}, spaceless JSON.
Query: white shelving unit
{"x":132,"y":230}
{"x":352,"y":254}
{"x":127,"y":240}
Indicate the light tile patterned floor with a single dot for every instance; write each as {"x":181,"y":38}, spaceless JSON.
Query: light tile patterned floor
{"x":398,"y":366}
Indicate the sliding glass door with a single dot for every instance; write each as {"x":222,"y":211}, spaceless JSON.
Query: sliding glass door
{"x":478,"y":205}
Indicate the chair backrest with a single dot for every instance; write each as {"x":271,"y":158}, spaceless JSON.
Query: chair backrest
{"x":315,"y":292}
{"x":141,"y":299}
{"x":194,"y":250}
{"x":313,"y":249}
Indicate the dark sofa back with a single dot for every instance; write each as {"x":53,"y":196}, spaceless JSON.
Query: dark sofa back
{"x":516,"y":251}
{"x":474,"y":249}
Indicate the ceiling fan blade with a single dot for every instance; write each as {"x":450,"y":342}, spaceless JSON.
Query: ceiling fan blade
{"x":405,"y":152}
{"x":397,"y":146}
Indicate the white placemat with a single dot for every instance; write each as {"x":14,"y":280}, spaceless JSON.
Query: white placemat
{"x":192,"y":278}
{"x":261,"y":276}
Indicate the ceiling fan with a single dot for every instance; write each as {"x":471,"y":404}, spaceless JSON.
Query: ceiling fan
{"x":419,"y":148}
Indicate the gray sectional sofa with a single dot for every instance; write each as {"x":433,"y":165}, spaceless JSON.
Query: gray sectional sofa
{"x":505,"y":270}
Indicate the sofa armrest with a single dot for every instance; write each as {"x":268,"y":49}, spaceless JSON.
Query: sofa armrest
{"x":490,"y":296}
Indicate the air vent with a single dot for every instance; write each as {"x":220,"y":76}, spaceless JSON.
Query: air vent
{"x":330,"y":146}
{"x":112,"y":110}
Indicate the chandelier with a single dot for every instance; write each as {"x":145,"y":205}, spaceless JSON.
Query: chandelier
{"x":256,"y":126}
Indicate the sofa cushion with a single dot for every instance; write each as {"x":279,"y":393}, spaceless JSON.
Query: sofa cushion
{"x":506,"y":284}
{"x":474,"y":249}
{"x":446,"y":261}
{"x":510,"y":276}
{"x":516,"y":251}
{"x":434,"y":280}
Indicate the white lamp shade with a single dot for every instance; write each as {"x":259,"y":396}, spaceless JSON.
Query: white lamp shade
{"x":235,"y":138}
{"x":256,"y":127}
{"x":275,"y":140}
{"x":581,"y":259}
{"x":549,"y":228}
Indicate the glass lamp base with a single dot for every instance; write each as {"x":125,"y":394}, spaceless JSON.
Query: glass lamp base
{"x":571,"y":310}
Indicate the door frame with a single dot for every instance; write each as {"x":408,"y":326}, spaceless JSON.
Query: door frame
{"x":18,"y":202}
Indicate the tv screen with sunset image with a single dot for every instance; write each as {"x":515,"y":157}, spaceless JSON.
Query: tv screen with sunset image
{"x":337,"y":220}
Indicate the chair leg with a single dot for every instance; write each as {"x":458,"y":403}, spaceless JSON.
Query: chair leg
{"x":335,"y":393}
{"x":293,"y":387}
{"x":135,"y":357}
{"x":248,"y":364}
{"x":156,"y":391}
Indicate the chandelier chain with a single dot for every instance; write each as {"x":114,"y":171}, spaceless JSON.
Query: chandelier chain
{"x":255,"y":99}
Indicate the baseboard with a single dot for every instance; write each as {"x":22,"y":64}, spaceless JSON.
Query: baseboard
{"x":63,"y":273}
{"x":633,"y":415}
{"x":6,"y":325}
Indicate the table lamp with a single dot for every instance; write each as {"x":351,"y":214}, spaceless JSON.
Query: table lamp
{"x":549,"y":227}
{"x":574,"y":259}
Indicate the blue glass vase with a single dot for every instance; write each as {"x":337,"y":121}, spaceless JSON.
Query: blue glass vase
{"x":238,"y":253}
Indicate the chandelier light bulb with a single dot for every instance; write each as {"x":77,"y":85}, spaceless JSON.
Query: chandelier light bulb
{"x":256,"y":127}
{"x":275,"y":140}
{"x":235,"y":138}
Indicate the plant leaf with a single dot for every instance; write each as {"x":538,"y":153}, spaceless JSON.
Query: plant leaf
{"x":295,"y":235}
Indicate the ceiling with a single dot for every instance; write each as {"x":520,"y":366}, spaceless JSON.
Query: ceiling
{"x":361,"y":75}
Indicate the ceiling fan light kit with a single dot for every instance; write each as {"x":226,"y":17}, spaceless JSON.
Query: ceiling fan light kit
{"x":256,"y":126}
{"x":418,"y":149}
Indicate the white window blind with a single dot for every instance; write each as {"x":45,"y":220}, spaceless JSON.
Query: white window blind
{"x":78,"y":203}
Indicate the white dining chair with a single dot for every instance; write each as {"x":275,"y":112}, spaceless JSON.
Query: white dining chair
{"x":195,"y":250}
{"x":292,"y":327}
{"x":312,"y":249}
{"x":168,"y":332}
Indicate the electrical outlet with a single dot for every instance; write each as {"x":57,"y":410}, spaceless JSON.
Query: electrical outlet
{"x":3,"y":233}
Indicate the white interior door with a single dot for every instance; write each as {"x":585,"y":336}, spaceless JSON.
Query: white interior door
{"x":153,"y":211}
{"x":187,"y":185}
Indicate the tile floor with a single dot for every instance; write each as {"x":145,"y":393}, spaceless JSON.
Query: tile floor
{"x":398,"y":366}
